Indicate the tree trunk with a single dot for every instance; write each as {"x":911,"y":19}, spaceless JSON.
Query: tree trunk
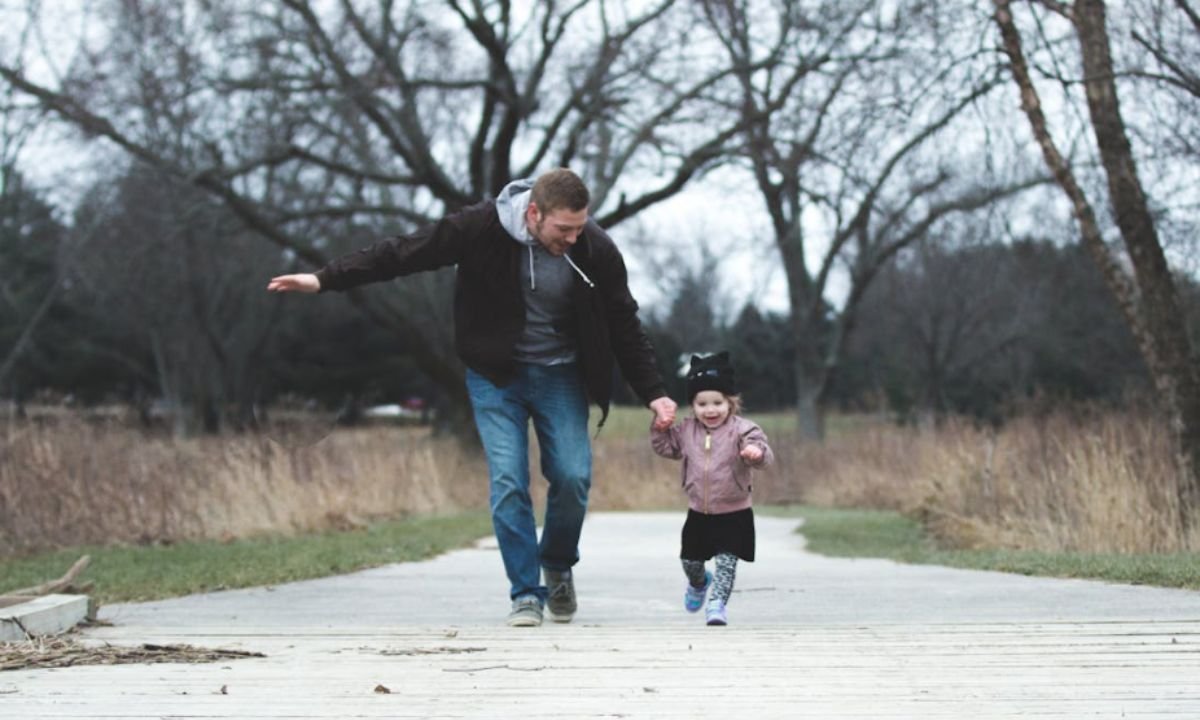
{"x":1175,"y":376}
{"x":810,"y":416}
{"x":811,"y":381}
{"x":23,"y":340}
{"x":1150,"y":304}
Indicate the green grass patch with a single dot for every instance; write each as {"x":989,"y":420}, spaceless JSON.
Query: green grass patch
{"x":135,"y":573}
{"x":881,"y":534}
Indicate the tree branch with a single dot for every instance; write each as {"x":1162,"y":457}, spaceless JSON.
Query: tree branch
{"x":1120,"y":283}
{"x":352,"y":210}
{"x":413,"y":146}
{"x":248,"y":212}
{"x":1182,"y":78}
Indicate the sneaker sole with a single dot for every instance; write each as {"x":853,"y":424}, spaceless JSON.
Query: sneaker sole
{"x":524,"y":622}
{"x":561,"y":618}
{"x":717,"y":623}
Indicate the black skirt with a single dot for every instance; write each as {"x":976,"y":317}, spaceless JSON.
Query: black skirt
{"x":707,"y":535}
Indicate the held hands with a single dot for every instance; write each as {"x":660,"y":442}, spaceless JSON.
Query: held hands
{"x":302,"y":282}
{"x":664,"y":412}
{"x":751,"y":453}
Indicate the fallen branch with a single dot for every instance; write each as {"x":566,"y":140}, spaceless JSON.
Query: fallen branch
{"x":54,"y":586}
{"x":433,"y":651}
{"x":67,"y":652}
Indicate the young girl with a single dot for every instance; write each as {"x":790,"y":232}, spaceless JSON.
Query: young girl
{"x":718,"y":448}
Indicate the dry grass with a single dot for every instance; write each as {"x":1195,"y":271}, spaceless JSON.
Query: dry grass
{"x":74,"y":483}
{"x":1078,"y":482}
{"x":1083,"y":482}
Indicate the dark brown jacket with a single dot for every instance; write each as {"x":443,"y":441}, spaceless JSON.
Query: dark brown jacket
{"x":489,"y":305}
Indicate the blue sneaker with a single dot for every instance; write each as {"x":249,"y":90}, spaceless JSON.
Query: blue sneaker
{"x":693,"y":598}
{"x":715,"y":614}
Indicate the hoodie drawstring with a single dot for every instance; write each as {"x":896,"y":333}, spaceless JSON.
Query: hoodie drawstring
{"x":586,"y":279}
{"x":533,"y":276}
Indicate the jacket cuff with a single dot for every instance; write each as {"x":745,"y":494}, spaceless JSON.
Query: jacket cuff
{"x":653,"y":394}
{"x":323,"y":278}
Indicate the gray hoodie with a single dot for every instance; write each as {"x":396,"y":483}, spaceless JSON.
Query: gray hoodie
{"x":546,"y":280}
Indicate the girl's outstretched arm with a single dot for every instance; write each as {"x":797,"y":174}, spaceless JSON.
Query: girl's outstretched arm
{"x":665,"y":441}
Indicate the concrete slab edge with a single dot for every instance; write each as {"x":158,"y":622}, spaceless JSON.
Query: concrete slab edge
{"x":45,"y":615}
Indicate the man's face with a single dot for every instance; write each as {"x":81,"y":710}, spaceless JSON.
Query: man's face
{"x":556,"y":230}
{"x":710,"y":407}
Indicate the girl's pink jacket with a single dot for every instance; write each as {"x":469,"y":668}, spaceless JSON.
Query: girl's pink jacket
{"x":715,"y":477}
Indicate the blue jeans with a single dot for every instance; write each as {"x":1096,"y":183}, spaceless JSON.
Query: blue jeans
{"x":554,"y":398}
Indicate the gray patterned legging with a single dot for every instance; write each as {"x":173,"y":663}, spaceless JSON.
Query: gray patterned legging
{"x":723,"y":577}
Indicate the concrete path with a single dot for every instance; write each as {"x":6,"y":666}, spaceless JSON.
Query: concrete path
{"x":809,"y":637}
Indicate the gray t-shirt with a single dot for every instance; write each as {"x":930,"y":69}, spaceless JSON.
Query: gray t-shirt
{"x":546,"y":281}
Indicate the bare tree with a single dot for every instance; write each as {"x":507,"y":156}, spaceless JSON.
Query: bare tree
{"x":17,"y":124}
{"x":843,"y":105}
{"x":174,"y":269}
{"x":28,"y":238}
{"x":1148,"y":297}
{"x":984,"y":325}
{"x":306,"y":118}
{"x":1170,"y":34}
{"x":953,"y":315}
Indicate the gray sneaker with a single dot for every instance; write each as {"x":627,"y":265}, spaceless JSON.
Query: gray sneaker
{"x":526,"y":612}
{"x":562,"y":594}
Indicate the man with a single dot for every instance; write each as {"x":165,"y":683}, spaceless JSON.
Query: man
{"x":542,"y":309}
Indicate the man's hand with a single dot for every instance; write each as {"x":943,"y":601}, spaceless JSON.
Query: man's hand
{"x":752,"y":453}
{"x":303,"y":282}
{"x":664,"y":412}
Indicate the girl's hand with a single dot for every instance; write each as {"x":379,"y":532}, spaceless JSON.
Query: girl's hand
{"x":752,"y":453}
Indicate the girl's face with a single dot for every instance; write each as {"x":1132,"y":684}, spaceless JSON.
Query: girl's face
{"x":710,"y":407}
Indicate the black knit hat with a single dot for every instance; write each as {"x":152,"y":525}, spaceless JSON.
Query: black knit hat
{"x":713,"y":372}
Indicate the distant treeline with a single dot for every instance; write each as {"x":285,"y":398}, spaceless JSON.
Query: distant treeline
{"x":981,"y":328}
{"x":153,"y":296}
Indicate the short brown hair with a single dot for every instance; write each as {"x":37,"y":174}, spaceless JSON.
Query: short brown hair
{"x":559,"y":188}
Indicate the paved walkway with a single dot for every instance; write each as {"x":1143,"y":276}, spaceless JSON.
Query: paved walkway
{"x":809,"y":637}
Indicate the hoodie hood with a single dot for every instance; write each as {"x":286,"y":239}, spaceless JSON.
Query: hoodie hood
{"x":511,"y":204}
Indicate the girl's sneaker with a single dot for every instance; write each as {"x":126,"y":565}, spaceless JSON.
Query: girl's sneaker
{"x":715,"y":614}
{"x":693,"y":598}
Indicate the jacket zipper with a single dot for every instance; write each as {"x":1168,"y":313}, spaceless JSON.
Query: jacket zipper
{"x":707,"y":480}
